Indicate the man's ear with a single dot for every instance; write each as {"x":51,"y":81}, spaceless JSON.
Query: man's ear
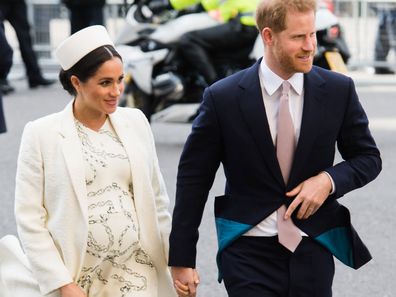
{"x":267,"y":35}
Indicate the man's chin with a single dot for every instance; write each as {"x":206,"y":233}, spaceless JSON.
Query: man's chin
{"x":305,"y":68}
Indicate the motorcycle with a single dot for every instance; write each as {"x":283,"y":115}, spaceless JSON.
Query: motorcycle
{"x":332,"y":51}
{"x":157,"y":80}
{"x":156,"y":75}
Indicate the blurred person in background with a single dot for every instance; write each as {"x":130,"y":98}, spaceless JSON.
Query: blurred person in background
{"x":15,"y":12}
{"x":5,"y":66}
{"x":84,"y":13}
{"x":236,"y":30}
{"x":3,"y":127}
{"x":386,"y":36}
{"x":6,"y":53}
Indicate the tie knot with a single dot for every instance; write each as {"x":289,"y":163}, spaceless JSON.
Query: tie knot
{"x":285,"y":88}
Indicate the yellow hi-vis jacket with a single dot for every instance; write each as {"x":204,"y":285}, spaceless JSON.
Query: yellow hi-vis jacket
{"x":229,"y":9}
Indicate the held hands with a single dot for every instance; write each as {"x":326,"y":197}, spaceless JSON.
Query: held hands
{"x":185,"y":280}
{"x":310,"y":195}
{"x":71,"y":290}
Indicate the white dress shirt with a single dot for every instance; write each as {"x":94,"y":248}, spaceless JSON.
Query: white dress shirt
{"x":271,"y":88}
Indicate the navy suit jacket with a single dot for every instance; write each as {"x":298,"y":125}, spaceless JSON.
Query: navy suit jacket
{"x":232,"y":129}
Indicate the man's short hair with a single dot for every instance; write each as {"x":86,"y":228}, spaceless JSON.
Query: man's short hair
{"x":272,"y":13}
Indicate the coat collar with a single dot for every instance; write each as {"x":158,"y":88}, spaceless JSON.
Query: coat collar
{"x":71,"y":148}
{"x":253,"y":110}
{"x":128,"y":131}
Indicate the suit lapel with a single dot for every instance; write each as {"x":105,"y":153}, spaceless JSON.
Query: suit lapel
{"x":311,"y":121}
{"x":71,"y":149}
{"x":253,"y":111}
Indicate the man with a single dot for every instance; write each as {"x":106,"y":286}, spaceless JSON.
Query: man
{"x":236,"y":30}
{"x":15,"y":12}
{"x":3,"y":127}
{"x":386,"y":36}
{"x":6,"y":53}
{"x":239,"y":126}
{"x":85,"y":13}
{"x":5,"y":66}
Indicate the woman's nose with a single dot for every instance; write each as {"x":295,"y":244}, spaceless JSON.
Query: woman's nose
{"x":116,"y":90}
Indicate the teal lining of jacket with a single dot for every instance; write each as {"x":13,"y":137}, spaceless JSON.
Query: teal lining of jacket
{"x":339,"y":244}
{"x":335,"y":240}
{"x":227,"y":232}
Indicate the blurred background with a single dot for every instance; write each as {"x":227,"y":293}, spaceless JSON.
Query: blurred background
{"x":50,"y":25}
{"x":372,"y":208}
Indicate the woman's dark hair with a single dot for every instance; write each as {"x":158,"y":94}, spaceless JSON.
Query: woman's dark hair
{"x":87,"y":66}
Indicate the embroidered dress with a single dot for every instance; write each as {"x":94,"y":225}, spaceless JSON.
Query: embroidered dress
{"x":115,"y":265}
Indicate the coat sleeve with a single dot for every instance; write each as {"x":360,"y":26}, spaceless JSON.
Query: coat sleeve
{"x":31,"y":216}
{"x":362,"y":162}
{"x":160,"y":194}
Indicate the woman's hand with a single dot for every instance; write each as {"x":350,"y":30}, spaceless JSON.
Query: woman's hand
{"x":186,"y":281}
{"x":71,"y":290}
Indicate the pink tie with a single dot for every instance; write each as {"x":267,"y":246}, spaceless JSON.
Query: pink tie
{"x":288,"y":234}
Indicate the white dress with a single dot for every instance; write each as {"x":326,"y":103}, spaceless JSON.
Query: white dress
{"x":115,"y":264}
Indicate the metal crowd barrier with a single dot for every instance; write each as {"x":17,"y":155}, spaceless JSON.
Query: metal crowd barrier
{"x":360,"y":21}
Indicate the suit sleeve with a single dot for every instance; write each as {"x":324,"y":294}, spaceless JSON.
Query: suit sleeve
{"x":362,"y":161}
{"x":196,"y":172}
{"x":31,"y":216}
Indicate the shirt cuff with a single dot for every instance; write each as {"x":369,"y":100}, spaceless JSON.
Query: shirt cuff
{"x":333,"y":189}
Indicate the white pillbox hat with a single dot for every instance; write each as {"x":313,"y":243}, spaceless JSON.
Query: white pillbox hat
{"x":76,"y":46}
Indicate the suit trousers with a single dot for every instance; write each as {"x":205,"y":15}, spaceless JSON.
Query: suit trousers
{"x":261,"y":267}
{"x":3,"y":127}
{"x":6,"y":54}
{"x":16,"y":13}
{"x":82,"y":16}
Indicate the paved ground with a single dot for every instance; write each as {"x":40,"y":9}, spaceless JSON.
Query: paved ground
{"x":372,"y":207}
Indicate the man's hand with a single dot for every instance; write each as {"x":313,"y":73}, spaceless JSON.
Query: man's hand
{"x":185,"y":280}
{"x":310,"y":194}
{"x":71,"y":290}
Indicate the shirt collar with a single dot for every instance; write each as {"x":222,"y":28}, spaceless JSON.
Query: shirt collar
{"x":272,"y":81}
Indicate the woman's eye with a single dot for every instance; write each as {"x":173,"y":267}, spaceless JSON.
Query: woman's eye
{"x":105,"y":83}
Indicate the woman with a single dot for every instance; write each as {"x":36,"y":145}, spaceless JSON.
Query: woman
{"x":91,"y":204}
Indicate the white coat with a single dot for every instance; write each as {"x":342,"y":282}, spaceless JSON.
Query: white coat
{"x":51,"y":197}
